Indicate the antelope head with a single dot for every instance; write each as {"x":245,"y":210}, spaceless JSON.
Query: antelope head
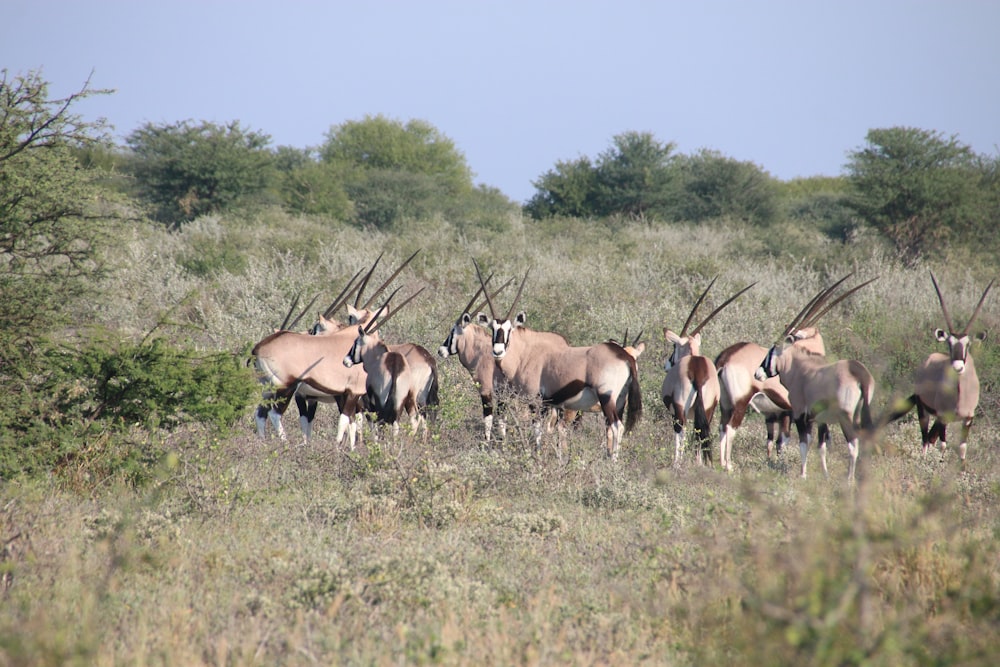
{"x":501,"y":328}
{"x":368,"y":335}
{"x":803,"y":327}
{"x":689,"y":343}
{"x":958,"y":341}
{"x":450,"y":344}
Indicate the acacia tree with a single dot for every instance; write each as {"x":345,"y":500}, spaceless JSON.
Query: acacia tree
{"x":187,"y":169}
{"x":917,"y":187}
{"x":712,"y":185}
{"x":50,"y":227}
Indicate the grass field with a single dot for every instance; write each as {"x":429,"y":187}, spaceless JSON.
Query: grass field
{"x":243,"y":551}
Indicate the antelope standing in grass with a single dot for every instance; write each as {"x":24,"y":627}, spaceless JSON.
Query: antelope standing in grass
{"x":739,"y":390}
{"x":821,"y":392}
{"x":390,"y":383}
{"x":946,"y":385}
{"x":307,"y":367}
{"x":474,"y":349}
{"x":540,"y":366}
{"x":691,"y":385}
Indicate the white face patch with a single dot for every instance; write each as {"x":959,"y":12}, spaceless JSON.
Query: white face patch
{"x":501,"y":338}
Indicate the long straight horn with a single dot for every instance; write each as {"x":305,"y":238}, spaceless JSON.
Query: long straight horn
{"x":288,"y":315}
{"x":370,"y":325}
{"x":381,"y":289}
{"x":694,"y":310}
{"x":815,"y":318}
{"x":975,"y":313}
{"x":342,"y":298}
{"x":724,"y":304}
{"x":635,"y":341}
{"x":364,"y":283}
{"x":305,"y":310}
{"x":497,"y":291}
{"x":944,"y":308}
{"x":814,"y":303}
{"x":379,"y":323}
{"x":517,"y":297}
{"x":482,"y":286}
{"x":475,"y":296}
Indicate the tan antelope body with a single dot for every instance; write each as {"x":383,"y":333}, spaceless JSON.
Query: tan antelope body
{"x":292,"y":364}
{"x":474,"y":348}
{"x":389,"y":383}
{"x":740,"y":390}
{"x":540,"y":366}
{"x":946,"y":386}
{"x":690,"y":387}
{"x":820,"y":392}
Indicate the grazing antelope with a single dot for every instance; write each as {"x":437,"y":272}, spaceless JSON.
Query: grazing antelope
{"x":390,"y":384}
{"x":946,"y":385}
{"x":691,"y":385}
{"x":474,"y":349}
{"x":821,"y":392}
{"x":540,"y":366}
{"x":307,"y":367}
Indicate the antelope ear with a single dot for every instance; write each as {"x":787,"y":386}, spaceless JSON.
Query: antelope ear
{"x":671,"y":336}
{"x":520,"y":319}
{"x":790,"y":339}
{"x":639,"y":349}
{"x":361,"y":331}
{"x":981,"y":336}
{"x":483,"y":320}
{"x":466,"y":318}
{"x":941,"y":335}
{"x":353,"y":314}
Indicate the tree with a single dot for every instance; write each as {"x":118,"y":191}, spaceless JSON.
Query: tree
{"x":917,"y":187}
{"x":50,"y":222}
{"x":187,"y":169}
{"x":713,"y":185}
{"x":634,"y":176}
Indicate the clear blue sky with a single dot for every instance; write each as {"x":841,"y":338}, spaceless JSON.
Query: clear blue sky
{"x":792,"y":85}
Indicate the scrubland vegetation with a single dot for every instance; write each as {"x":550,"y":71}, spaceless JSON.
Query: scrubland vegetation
{"x":143,"y":522}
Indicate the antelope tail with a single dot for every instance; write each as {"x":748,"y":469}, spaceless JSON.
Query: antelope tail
{"x":634,"y":408}
{"x":866,"y":383}
{"x":387,"y":411}
{"x":899,"y":410}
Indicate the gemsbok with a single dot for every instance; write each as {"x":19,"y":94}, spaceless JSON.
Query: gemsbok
{"x":540,"y":366}
{"x":946,"y":386}
{"x":691,"y":385}
{"x":390,"y":384}
{"x":820,"y":392}
{"x":308,"y":367}
{"x":474,"y":349}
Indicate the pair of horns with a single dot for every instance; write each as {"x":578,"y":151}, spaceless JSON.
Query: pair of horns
{"x":469,"y":307}
{"x":287,"y":325}
{"x":345,"y":294}
{"x":694,"y":310}
{"x":489,"y":299}
{"x":377,"y":320}
{"x":944,"y":309}
{"x":818,"y":306}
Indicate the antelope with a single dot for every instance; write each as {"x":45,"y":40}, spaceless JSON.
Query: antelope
{"x":541,"y":366}
{"x":390,"y":383}
{"x":307,"y":367}
{"x":473,"y":347}
{"x":821,"y":392}
{"x":946,"y":385}
{"x":691,"y":385}
{"x":740,"y":390}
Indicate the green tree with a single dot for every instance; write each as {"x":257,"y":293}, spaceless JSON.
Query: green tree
{"x":634,"y":176}
{"x":378,"y":143}
{"x":186,"y":169}
{"x":713,"y":185}
{"x":306,"y":185}
{"x":51,"y":222}
{"x":917,"y":187}
{"x":393,"y":170}
{"x":568,"y":190}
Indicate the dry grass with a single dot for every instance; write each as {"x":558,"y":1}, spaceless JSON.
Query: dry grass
{"x":261,"y":552}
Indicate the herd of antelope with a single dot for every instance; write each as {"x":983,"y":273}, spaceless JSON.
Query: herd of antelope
{"x":791,"y":381}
